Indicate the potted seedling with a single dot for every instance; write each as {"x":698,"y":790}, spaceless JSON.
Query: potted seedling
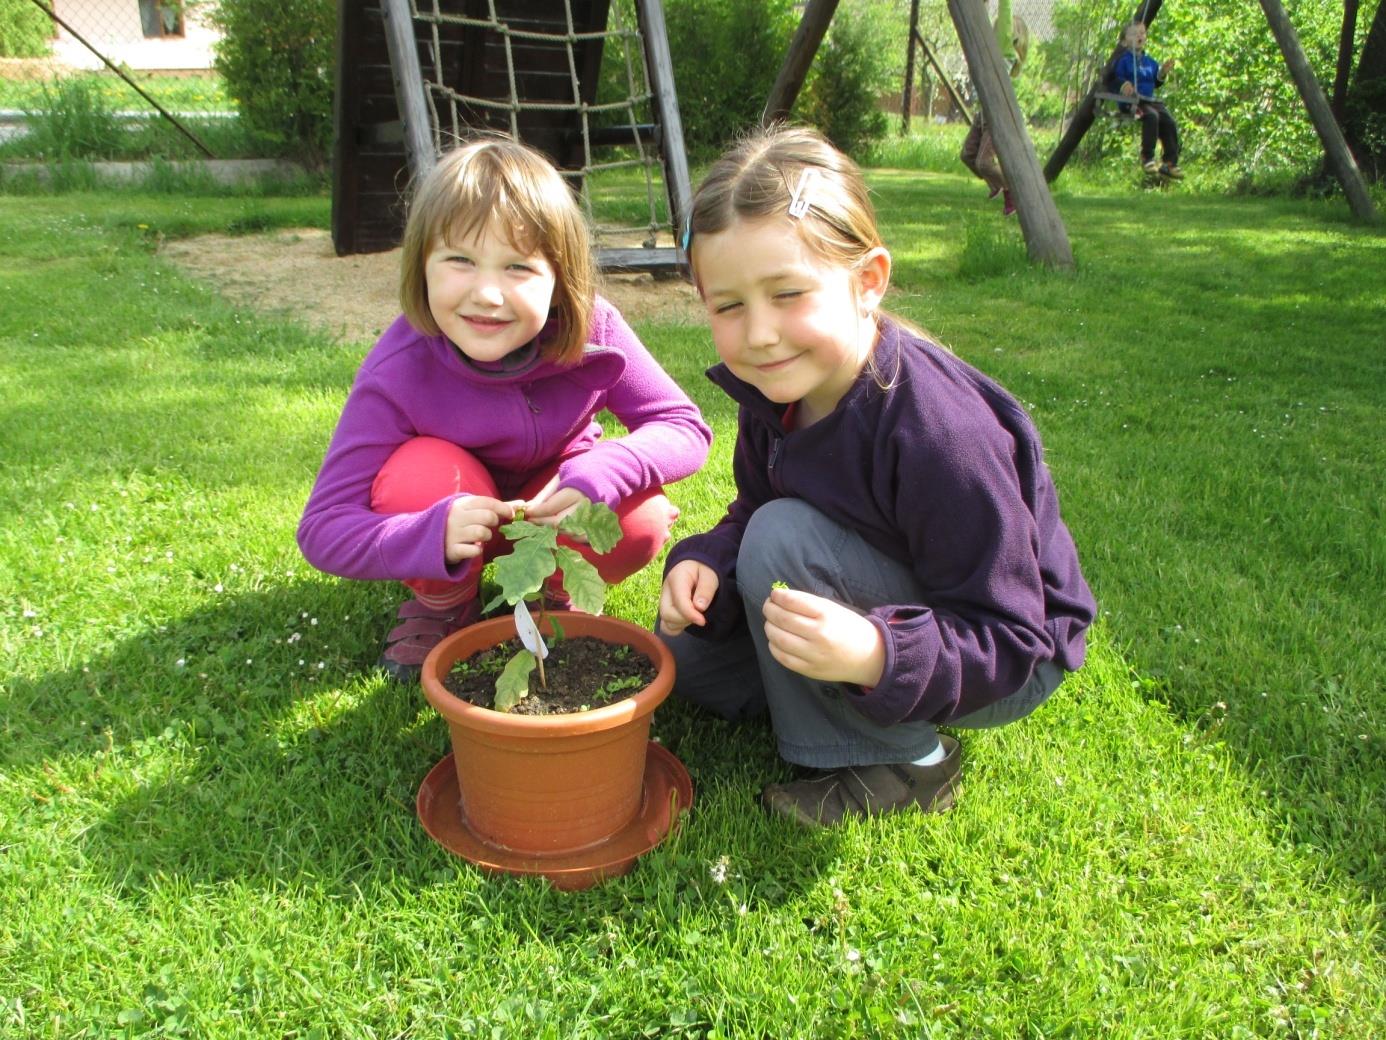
{"x":571,"y":795}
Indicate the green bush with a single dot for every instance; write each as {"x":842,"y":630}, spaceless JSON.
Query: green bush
{"x":726,"y":56}
{"x":854,"y":66}
{"x":24,"y":30}
{"x":277,"y":59}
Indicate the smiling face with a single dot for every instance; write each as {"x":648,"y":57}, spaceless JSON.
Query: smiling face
{"x":794,"y":327}
{"x":488,"y":295}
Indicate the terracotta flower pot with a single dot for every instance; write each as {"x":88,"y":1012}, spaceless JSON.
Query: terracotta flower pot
{"x":550,"y":785}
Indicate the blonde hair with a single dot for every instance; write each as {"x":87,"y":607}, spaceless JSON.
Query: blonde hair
{"x":495,"y":178}
{"x":757,"y":176}
{"x":1020,"y":39}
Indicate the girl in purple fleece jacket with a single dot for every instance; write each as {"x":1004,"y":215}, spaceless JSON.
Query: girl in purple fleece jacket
{"x":481,"y":397}
{"x":894,"y":559}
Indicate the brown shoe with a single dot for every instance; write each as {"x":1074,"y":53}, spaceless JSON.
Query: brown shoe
{"x":835,"y":794}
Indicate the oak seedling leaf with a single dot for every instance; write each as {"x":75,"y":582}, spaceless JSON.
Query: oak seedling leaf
{"x":513,"y":684}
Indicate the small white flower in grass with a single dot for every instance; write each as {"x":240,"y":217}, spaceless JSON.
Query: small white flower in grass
{"x":321,"y":665}
{"x":718,"y":870}
{"x":69,"y":505}
{"x":180,"y":662}
{"x":312,"y":621}
{"x":95,"y":508}
{"x":300,"y":662}
{"x":218,"y":587}
{"x":30,"y":612}
{"x":249,"y":661}
{"x":853,"y":955}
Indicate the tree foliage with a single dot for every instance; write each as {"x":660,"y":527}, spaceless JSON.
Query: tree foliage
{"x":1230,"y":90}
{"x":277,"y":58}
{"x":856,"y":64}
{"x":24,"y":30}
{"x":726,"y":56}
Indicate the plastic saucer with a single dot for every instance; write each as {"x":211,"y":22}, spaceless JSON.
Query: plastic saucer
{"x":668,"y":792}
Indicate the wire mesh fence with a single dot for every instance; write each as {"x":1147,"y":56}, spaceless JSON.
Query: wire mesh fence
{"x":120,"y":77}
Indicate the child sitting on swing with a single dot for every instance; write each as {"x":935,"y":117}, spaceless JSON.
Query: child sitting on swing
{"x":1137,"y":75}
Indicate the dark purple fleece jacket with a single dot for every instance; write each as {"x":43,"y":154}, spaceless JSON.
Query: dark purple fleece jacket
{"x":940,"y":469}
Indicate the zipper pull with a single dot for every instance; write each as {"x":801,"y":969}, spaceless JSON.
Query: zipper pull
{"x":532,"y":406}
{"x":774,"y":453}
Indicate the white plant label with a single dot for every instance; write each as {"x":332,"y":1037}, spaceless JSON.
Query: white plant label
{"x":528,"y":631}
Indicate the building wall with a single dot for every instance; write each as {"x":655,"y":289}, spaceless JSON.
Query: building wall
{"x":114,"y":28}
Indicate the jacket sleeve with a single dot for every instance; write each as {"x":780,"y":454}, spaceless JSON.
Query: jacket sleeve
{"x":667,"y":438}
{"x":1123,"y":71}
{"x":974,"y":542}
{"x":718,"y":548}
{"x":339,"y":533}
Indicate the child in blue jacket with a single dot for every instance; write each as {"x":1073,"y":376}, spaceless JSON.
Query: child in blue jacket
{"x":1137,"y":75}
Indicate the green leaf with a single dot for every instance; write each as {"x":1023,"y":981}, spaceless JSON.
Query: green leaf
{"x":595,"y":522}
{"x":581,"y":581}
{"x":521,"y":530}
{"x":513,"y":684}
{"x":522,"y":573}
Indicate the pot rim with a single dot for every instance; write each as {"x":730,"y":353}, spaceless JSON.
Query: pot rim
{"x":497,"y":630}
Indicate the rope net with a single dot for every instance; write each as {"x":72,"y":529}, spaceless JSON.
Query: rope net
{"x":602,"y":134}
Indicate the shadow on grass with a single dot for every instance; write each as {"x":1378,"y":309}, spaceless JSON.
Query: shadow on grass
{"x":246,"y":743}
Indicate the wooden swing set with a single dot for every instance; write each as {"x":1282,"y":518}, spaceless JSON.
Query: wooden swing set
{"x":1340,"y":159}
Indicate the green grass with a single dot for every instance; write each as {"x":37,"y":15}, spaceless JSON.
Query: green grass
{"x":206,"y":795}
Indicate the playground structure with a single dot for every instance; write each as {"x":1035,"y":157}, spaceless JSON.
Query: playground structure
{"x":1340,"y":159}
{"x":415,"y":75}
{"x":531,"y":70}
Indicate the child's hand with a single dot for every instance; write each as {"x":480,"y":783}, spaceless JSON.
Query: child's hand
{"x":471,"y":521}
{"x":688,"y":589}
{"x":821,"y":639}
{"x":1165,"y":66}
{"x":1128,"y":88}
{"x":548,"y":507}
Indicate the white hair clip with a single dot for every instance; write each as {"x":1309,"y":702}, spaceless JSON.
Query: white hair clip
{"x":802,"y":199}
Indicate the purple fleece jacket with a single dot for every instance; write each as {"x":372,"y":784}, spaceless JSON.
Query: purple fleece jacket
{"x":516,"y":422}
{"x":942,"y":470}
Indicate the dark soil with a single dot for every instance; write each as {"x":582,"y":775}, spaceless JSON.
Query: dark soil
{"x":582,"y":673}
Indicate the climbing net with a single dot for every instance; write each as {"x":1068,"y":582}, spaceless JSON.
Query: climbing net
{"x":510,"y":44}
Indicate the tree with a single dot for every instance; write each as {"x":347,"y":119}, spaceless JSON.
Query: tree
{"x":1365,"y":110}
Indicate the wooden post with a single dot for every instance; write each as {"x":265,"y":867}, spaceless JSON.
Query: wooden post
{"x":1045,"y":237}
{"x":1083,"y":114}
{"x":409,"y":89}
{"x":1334,"y":146}
{"x":907,"y":101}
{"x":944,"y":78}
{"x":660,"y":63}
{"x":813,"y":26}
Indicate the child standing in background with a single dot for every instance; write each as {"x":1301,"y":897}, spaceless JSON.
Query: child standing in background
{"x":481,"y":398}
{"x":899,"y":494}
{"x":978,"y":150}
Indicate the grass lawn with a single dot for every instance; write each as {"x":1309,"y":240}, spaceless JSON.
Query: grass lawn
{"x":206,"y":793}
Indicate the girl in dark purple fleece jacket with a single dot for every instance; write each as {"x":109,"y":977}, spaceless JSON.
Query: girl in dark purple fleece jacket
{"x":898,"y":493}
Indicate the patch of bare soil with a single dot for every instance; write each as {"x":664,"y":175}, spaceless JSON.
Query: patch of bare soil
{"x":297,"y":273}
{"x":582,"y":673}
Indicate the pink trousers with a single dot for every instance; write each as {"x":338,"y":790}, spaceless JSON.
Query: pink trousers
{"x":427,"y":469}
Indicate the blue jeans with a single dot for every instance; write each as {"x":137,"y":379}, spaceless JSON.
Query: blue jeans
{"x":815,"y":724}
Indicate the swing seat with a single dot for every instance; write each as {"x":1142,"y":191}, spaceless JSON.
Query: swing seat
{"x":1111,"y":105}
